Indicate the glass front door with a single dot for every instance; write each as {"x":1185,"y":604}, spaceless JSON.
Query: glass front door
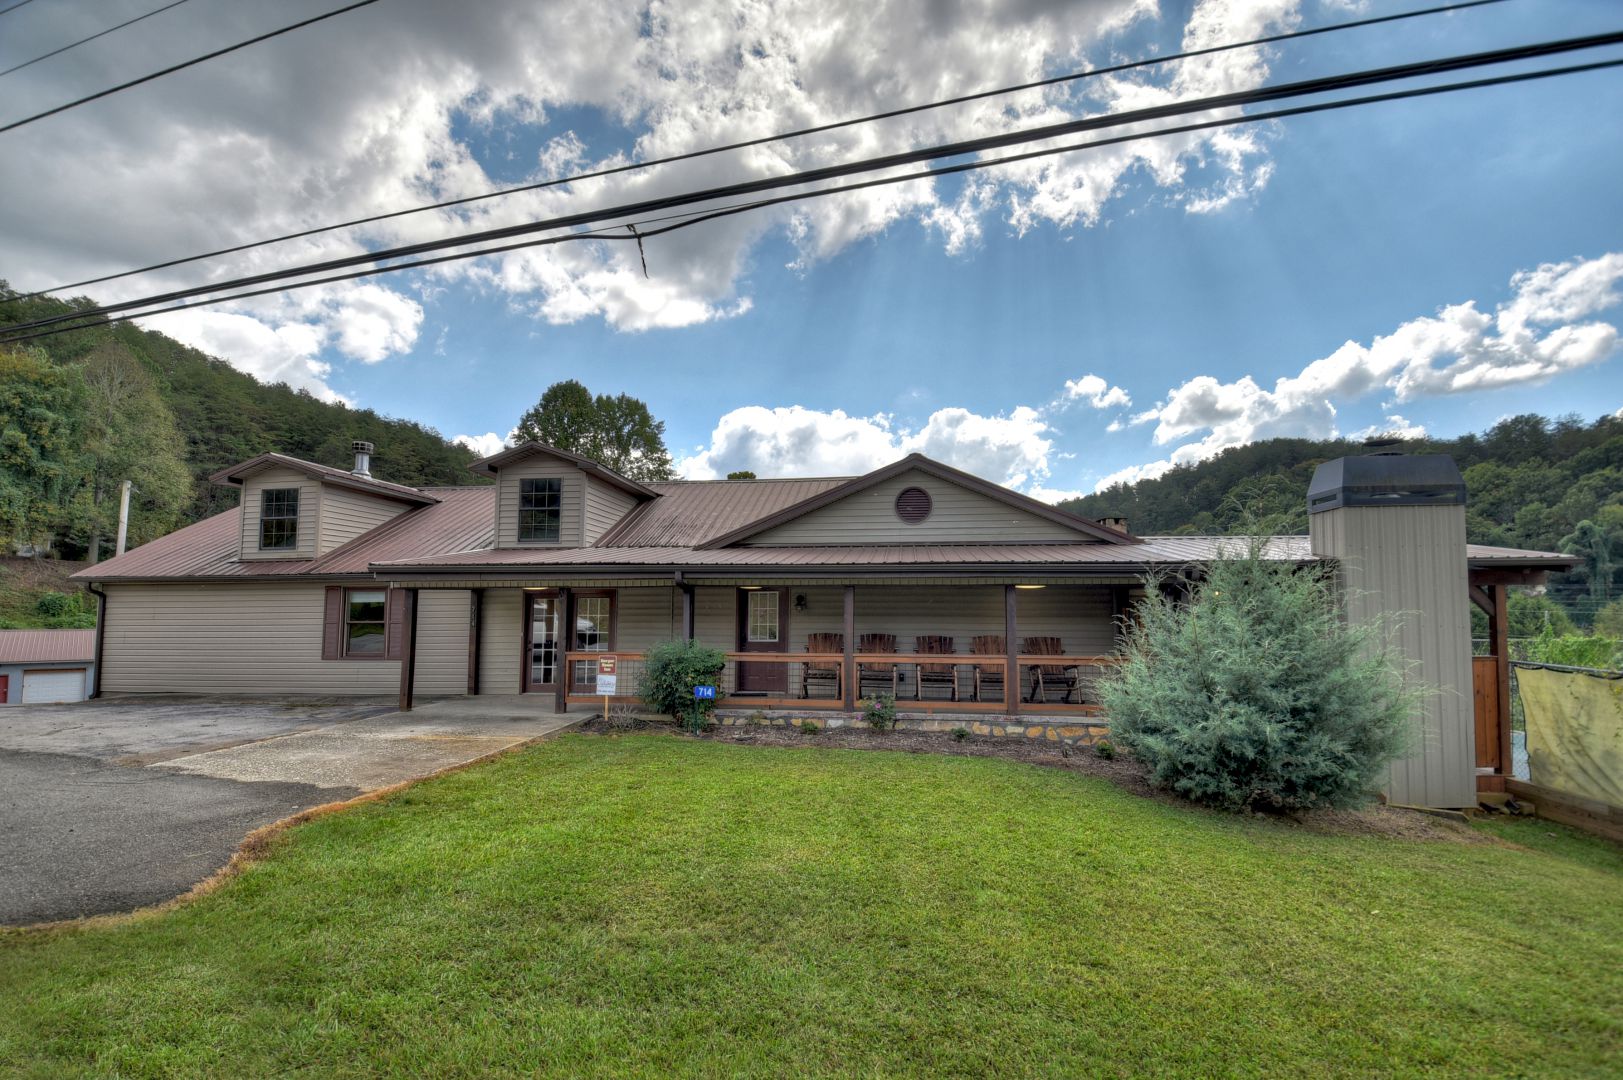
{"x":545,"y":657}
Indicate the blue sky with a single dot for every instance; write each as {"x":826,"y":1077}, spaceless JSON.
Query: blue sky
{"x":1367,"y":220}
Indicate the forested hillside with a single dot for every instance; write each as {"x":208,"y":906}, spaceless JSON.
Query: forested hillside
{"x":1531,"y":483}
{"x":86,"y":409}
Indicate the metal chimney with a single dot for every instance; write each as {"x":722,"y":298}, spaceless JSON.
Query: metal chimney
{"x":363,"y":458}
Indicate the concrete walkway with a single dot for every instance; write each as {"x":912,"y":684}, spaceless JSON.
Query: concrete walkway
{"x":115,"y":804}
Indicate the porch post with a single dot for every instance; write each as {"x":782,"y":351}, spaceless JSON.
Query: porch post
{"x":476,"y":603}
{"x":687,"y":606}
{"x":848,"y":668}
{"x":408,"y":662}
{"x":566,"y":641}
{"x":1499,"y":641}
{"x":1011,"y":672}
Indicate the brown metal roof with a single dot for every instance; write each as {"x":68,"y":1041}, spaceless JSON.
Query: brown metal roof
{"x":491,"y":465}
{"x":46,"y":646}
{"x":692,"y":512}
{"x":459,"y":519}
{"x":326,"y":474}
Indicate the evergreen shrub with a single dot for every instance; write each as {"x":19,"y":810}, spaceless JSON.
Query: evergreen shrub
{"x":1255,"y":694}
{"x":670,"y":672}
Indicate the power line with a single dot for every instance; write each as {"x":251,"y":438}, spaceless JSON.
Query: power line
{"x":14,"y":7}
{"x":699,"y":216}
{"x":763,"y":140}
{"x":889,"y":161}
{"x":181,"y":66}
{"x":92,"y":37}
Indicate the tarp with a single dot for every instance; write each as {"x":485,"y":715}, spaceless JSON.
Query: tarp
{"x":1574,"y":731}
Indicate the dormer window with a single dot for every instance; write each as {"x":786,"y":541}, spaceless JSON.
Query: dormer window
{"x":540,"y":505}
{"x":279,"y":519}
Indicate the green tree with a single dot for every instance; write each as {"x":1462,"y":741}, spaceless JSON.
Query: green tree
{"x":741,"y":474}
{"x":39,"y":456}
{"x":617,"y":431}
{"x":1256,"y":693}
{"x":129,"y":434}
{"x":1609,"y":620}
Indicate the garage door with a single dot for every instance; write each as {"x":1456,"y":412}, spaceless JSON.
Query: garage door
{"x":44,"y":687}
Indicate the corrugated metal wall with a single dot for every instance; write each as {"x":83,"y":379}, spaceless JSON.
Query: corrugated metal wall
{"x":1404,"y":567}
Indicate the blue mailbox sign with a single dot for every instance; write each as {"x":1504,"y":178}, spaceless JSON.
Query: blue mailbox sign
{"x":704,"y":693}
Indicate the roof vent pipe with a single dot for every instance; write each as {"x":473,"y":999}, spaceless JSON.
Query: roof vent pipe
{"x":363,"y":458}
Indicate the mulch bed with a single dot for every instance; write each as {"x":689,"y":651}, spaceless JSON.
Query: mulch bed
{"x":1120,"y":770}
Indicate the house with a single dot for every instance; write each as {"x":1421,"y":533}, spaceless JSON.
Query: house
{"x":823,"y":591}
{"x":42,"y":667}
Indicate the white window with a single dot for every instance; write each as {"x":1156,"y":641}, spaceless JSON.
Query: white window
{"x":762,"y":621}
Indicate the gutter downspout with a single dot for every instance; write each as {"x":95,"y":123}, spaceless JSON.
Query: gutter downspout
{"x":101,"y":630}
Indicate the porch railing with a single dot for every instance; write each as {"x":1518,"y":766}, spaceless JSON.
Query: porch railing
{"x":922,"y":683}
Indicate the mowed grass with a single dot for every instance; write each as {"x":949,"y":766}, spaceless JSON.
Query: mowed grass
{"x":650,"y":905}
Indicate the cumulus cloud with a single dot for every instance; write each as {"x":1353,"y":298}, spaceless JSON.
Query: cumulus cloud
{"x":1013,"y":449}
{"x":1543,"y":330}
{"x":1392,"y":427}
{"x":1096,"y":392}
{"x":484,"y":445}
{"x":313,"y":128}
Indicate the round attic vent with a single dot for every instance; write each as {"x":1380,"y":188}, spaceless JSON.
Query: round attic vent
{"x":913,"y":505}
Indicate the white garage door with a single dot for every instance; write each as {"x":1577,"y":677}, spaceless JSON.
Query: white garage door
{"x":44,"y":687}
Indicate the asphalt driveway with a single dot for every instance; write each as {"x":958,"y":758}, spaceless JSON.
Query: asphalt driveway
{"x":111,"y":805}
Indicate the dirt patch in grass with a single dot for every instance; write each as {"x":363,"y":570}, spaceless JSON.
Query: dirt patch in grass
{"x":1121,"y":770}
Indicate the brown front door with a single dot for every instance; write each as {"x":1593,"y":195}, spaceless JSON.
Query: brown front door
{"x":543,"y":653}
{"x":763,"y":626}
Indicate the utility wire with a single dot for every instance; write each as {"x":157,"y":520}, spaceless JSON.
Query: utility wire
{"x":763,"y":140}
{"x":180,"y":66}
{"x":696,"y":217}
{"x":92,"y":37}
{"x":889,"y":161}
{"x":14,"y":7}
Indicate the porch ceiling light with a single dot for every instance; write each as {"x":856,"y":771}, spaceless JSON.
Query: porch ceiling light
{"x":749,"y":588}
{"x":1031,"y":586}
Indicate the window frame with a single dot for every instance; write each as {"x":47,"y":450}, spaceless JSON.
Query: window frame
{"x":751,"y":597}
{"x":556,"y":510}
{"x":383,"y":638}
{"x":609,"y":634}
{"x":282,"y":516}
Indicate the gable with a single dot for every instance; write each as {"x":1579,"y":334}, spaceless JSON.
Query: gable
{"x":957,"y":515}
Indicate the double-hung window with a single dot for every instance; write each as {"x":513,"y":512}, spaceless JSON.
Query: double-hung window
{"x":540,"y":504}
{"x":365,"y":622}
{"x":278,"y":519}
{"x":594,"y":626}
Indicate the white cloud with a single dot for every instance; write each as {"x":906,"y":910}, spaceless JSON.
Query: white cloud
{"x":1531,"y":337}
{"x":1096,"y":392}
{"x":1392,"y":427}
{"x":284,"y":353}
{"x":484,"y":445}
{"x":796,"y":441}
{"x":213,"y":159}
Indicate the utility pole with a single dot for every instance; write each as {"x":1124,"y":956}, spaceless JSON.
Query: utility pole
{"x":123,"y":516}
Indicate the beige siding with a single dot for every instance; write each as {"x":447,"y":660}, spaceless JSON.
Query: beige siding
{"x":442,"y":642}
{"x":605,"y":506}
{"x":228,"y":639}
{"x":957,"y":516}
{"x":309,"y":513}
{"x":646,"y":616}
{"x":539,"y":466}
{"x":347,"y":514}
{"x":1406,"y":565}
{"x":501,"y":641}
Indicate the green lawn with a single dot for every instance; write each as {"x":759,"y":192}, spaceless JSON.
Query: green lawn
{"x":649,"y":905}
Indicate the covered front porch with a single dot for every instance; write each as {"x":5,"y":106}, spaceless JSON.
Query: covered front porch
{"x":988,"y":647}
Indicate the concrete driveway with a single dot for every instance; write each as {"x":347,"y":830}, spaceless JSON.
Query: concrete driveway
{"x":111,"y":805}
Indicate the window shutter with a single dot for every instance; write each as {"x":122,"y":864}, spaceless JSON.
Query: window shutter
{"x":332,"y":630}
{"x":395,"y":614}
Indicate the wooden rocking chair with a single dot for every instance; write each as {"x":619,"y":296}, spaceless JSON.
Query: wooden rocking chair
{"x":823,"y":673}
{"x":935,"y":674}
{"x":876,"y":678}
{"x":1046,"y":677}
{"x":989,"y":675}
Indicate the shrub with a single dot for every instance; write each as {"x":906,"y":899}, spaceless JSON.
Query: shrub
{"x":672,"y":670}
{"x":1256,"y":694}
{"x":809,"y":727}
{"x":54,"y":605}
{"x":1575,"y":650}
{"x":1104,"y":749}
{"x":880,"y":712}
{"x":960,"y":733}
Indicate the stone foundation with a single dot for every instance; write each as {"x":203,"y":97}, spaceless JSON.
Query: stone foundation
{"x":1077,"y":731}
